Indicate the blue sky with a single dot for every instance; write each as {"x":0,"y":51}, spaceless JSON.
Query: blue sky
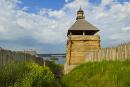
{"x":36,"y":5}
{"x":42,"y":24}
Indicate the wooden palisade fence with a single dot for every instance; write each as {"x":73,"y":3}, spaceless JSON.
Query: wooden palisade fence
{"x":7,"y":56}
{"x":121,"y":52}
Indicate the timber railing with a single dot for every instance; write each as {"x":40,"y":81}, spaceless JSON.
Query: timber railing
{"x":121,"y":52}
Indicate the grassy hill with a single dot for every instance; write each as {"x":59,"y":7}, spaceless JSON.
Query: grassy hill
{"x":99,"y":74}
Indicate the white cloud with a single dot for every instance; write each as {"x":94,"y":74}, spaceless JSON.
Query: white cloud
{"x":25,"y":8}
{"x":52,"y":13}
{"x":57,"y":14}
{"x":15,"y":24}
{"x":50,"y":26}
{"x":76,"y":4}
{"x":106,"y":2}
{"x":67,"y":1}
{"x":44,"y":11}
{"x":126,"y":29}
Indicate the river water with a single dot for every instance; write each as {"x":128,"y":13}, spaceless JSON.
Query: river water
{"x":60,"y":58}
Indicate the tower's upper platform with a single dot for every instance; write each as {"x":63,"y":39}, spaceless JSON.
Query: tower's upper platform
{"x":81,"y":25}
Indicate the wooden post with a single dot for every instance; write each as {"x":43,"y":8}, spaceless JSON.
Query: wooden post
{"x":83,"y":33}
{"x":70,"y":48}
{"x":44,"y":63}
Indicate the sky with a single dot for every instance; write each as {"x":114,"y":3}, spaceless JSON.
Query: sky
{"x":42,"y":25}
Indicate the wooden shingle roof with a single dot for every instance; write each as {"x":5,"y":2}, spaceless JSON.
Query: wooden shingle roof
{"x":82,"y":24}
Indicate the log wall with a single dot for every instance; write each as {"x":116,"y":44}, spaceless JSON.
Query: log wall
{"x":121,"y":52}
{"x":78,"y":45}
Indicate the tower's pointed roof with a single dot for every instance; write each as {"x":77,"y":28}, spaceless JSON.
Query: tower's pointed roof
{"x":82,"y":24}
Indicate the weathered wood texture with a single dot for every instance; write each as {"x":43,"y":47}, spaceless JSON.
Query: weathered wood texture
{"x":7,"y":56}
{"x":79,"y":45}
{"x":121,"y":52}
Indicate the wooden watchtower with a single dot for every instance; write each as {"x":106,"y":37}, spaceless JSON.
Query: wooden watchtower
{"x":82,"y":38}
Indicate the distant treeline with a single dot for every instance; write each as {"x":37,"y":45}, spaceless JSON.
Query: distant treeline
{"x":52,"y":55}
{"x":121,"y":52}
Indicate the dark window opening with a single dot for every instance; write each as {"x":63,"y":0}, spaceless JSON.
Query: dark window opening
{"x":81,"y":32}
{"x":77,"y":32}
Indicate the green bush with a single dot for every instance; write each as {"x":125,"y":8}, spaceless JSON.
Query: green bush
{"x":26,"y":74}
{"x":99,"y":74}
{"x":9,"y":73}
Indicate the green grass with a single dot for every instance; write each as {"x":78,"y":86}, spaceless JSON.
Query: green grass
{"x":96,"y":74}
{"x":55,"y":68}
{"x":26,"y":74}
{"x":99,"y":74}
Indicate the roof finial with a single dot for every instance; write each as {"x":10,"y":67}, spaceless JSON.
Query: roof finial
{"x":80,"y":14}
{"x":80,"y":9}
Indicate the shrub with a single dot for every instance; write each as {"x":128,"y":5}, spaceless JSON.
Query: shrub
{"x":26,"y":74}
